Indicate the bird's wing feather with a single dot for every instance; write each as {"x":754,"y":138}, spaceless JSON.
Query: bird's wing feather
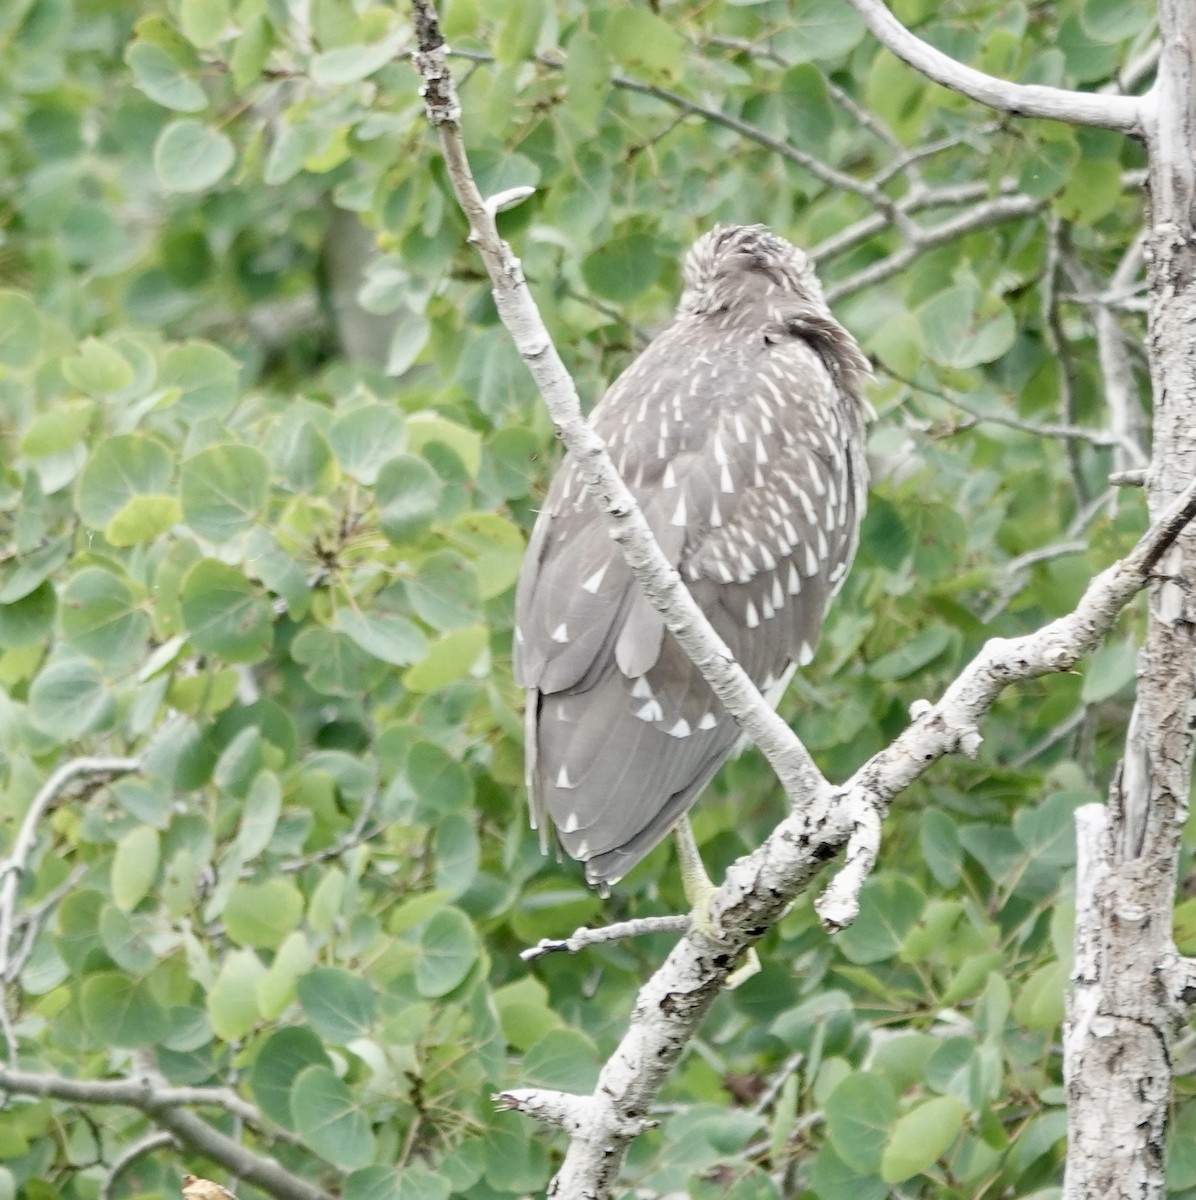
{"x":734,"y":453}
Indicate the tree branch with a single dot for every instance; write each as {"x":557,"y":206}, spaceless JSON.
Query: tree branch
{"x":1124,"y":113}
{"x":163,"y":1105}
{"x":13,"y":868}
{"x":582,"y":937}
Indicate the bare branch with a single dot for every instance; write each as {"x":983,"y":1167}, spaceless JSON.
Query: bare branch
{"x":1003,"y":208}
{"x":582,"y":937}
{"x":1124,"y":113}
{"x":13,"y":868}
{"x":163,"y":1105}
{"x":129,"y":1155}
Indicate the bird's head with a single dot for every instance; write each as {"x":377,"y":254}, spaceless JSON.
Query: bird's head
{"x":738,"y":264}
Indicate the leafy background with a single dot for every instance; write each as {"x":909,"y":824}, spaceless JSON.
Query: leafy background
{"x":268,"y":463}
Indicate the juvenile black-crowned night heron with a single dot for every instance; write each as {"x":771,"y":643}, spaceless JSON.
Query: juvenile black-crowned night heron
{"x":740,"y":430}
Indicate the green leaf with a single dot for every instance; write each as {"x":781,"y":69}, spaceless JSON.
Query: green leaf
{"x":191,"y":157}
{"x":392,"y":639}
{"x":225,"y":490}
{"x":20,"y":331}
{"x":334,"y":663}
{"x":624,"y":267}
{"x":28,"y":621}
{"x":143,"y":519}
{"x":164,"y":80}
{"x":921,"y":1137}
{"x":889,"y":908}
{"x":224,"y":614}
{"x":96,"y":368}
{"x":562,"y":1059}
{"x":832,"y":1179}
{"x":119,"y":1011}
{"x":340,"y":1006}
{"x":1110,"y":669}
{"x":135,"y":866}
{"x":204,"y":22}
{"x":284,"y":1055}
{"x":860,"y":1114}
{"x":1039,"y":1003}
{"x":206,"y":377}
{"x":644,"y":43}
{"x":912,"y":655}
{"x":119,"y":469}
{"x":441,"y":783}
{"x":57,"y":431}
{"x":457,"y":853}
{"x":102,"y":617}
{"x":408,"y":493}
{"x":276,"y":989}
{"x":941,"y":848}
{"x":448,"y":659}
{"x":1093,"y":190}
{"x":232,"y":999}
{"x":69,"y":699}
{"x":448,"y":949}
{"x":961,"y":329}
{"x":348,"y":64}
{"x":1113,"y":20}
{"x":259,"y":816}
{"x":262,"y":914}
{"x":365,"y":439}
{"x":327,"y":1118}
{"x":445,"y":592}
{"x":809,"y":113}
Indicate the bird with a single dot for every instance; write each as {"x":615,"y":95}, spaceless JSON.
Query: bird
{"x":740,"y":430}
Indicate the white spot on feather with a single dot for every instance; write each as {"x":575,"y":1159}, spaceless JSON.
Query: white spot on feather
{"x":726,"y":484}
{"x":806,"y":654}
{"x":751,"y":616}
{"x":681,"y":729}
{"x":641,"y":689}
{"x":560,"y":633}
{"x":563,"y":781}
{"x":571,"y":824}
{"x":651,"y":711}
{"x":670,"y":477}
{"x":794,"y":583}
{"x":811,"y":561}
{"x":594,"y":582}
{"x":708,"y":721}
{"x":679,"y":513}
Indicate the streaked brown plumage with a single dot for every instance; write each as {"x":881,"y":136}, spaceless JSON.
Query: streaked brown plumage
{"x":740,"y":430}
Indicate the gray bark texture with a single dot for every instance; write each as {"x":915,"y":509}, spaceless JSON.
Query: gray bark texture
{"x":1131,"y":993}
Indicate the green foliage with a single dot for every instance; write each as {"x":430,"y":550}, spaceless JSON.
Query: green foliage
{"x":262,"y":526}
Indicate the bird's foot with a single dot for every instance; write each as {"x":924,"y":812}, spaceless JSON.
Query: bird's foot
{"x":700,"y":894}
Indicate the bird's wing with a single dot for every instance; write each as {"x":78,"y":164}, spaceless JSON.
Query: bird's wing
{"x":733,"y":453}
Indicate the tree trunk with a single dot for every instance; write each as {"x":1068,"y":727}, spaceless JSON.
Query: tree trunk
{"x":1129,"y":997}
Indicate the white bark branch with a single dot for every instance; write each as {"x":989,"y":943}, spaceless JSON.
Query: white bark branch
{"x":1124,"y":113}
{"x":582,"y":937}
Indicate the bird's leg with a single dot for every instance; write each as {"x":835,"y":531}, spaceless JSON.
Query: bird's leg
{"x":699,"y":891}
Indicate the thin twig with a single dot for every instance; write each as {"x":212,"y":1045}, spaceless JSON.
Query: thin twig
{"x":129,"y":1155}
{"x":582,"y":937}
